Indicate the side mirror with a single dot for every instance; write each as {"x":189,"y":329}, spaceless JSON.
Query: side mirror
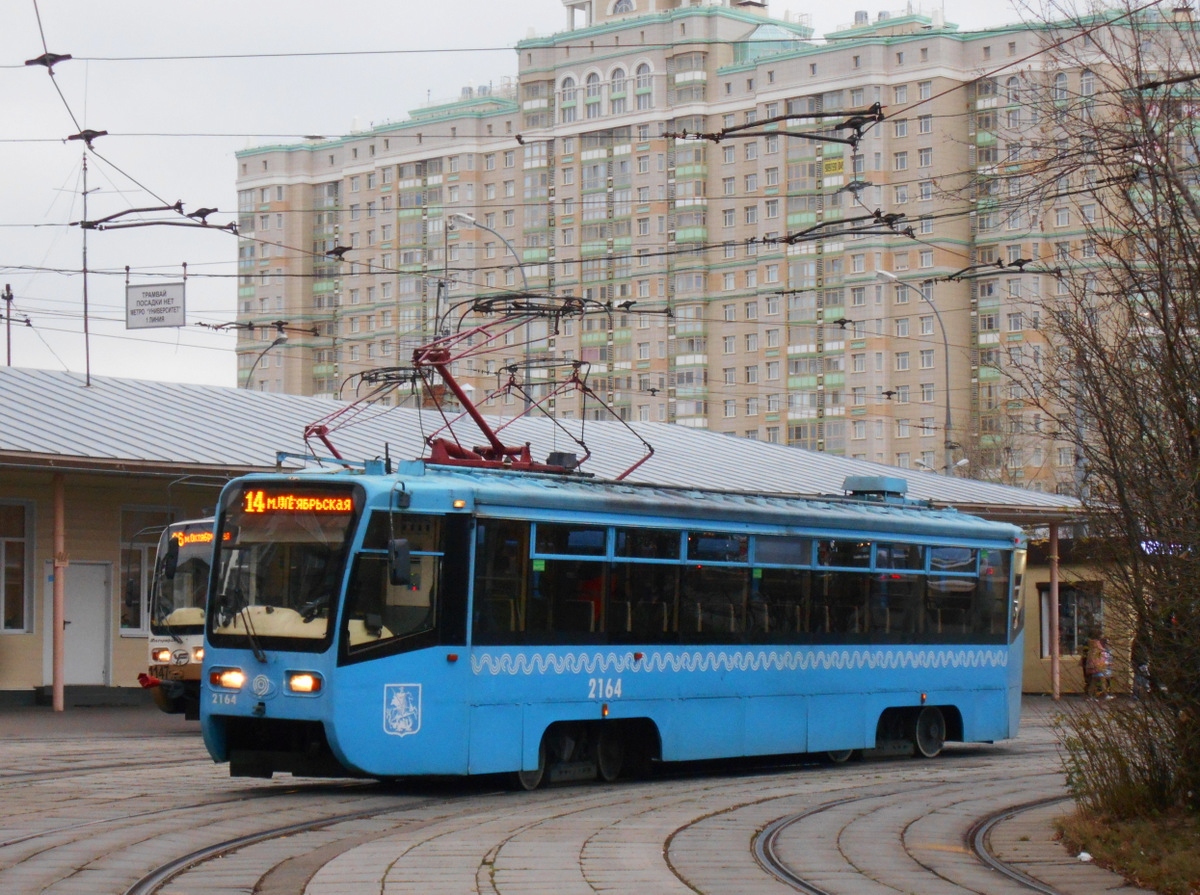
{"x":171,"y":560}
{"x":399,"y":573}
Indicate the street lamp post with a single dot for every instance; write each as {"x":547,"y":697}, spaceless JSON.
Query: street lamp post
{"x":280,"y":339}
{"x":472,"y":222}
{"x":948,"y":442}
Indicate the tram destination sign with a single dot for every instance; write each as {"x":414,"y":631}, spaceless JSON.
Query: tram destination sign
{"x":154,"y":305}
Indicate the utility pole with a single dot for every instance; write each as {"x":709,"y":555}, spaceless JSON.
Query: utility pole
{"x":87,"y":350}
{"x":8,"y":299}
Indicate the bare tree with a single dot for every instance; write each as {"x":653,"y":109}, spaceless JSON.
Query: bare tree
{"x":1111,"y":147}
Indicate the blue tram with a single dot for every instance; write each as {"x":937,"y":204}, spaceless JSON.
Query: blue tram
{"x":441,"y":620}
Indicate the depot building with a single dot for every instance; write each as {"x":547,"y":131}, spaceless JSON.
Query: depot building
{"x":91,"y":470}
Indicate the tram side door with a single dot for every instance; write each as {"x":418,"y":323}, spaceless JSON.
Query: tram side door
{"x":87,"y":617}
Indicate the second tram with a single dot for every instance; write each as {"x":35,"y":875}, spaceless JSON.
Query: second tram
{"x":444,"y":620}
{"x":177,"y":600}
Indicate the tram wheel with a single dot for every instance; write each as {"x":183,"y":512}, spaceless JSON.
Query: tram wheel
{"x":929,"y":731}
{"x":610,"y":753}
{"x":528,"y":781}
{"x":839,"y":756}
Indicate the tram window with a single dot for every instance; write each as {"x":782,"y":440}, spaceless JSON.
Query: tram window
{"x":712,"y":602}
{"x":899,"y":556}
{"x":841,"y":603}
{"x":992,"y":617}
{"x":960,"y":560}
{"x":647,"y":543}
{"x":642,"y":604}
{"x":894,"y":604}
{"x":711,"y":546}
{"x":570,"y":540}
{"x":421,"y":532}
{"x":780,"y":602}
{"x":782,"y":551}
{"x":844,"y":554}
{"x":951,"y":590}
{"x":1017,"y":606}
{"x":501,"y":581}
{"x":566,"y":600}
{"x":378,"y":612}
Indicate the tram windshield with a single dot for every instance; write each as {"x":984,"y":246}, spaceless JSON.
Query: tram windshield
{"x":181,"y":578}
{"x":280,"y":563}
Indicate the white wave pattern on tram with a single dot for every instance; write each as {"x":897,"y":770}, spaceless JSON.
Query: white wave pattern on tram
{"x":741,"y":660}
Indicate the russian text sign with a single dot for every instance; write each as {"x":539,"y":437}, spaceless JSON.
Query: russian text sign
{"x":159,"y":304}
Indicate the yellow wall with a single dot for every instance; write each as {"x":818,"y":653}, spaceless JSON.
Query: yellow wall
{"x":1036,"y":677}
{"x":93,"y":533}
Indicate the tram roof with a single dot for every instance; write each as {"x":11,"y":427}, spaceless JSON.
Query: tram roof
{"x":505,"y":493}
{"x":52,"y":419}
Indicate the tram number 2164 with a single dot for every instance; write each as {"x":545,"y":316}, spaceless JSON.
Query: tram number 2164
{"x":604,"y":688}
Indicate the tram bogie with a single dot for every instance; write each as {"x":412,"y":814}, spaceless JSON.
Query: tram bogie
{"x":592,"y":750}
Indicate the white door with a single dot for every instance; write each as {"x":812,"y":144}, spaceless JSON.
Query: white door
{"x":87,"y":616}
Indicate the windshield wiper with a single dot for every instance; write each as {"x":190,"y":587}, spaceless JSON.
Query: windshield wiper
{"x":228,"y":609}
{"x":251,"y":636}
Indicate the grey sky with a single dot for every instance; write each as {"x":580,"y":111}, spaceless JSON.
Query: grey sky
{"x":175,"y":123}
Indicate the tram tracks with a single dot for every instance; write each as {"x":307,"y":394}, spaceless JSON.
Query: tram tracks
{"x":173,"y":809}
{"x":428,"y":832}
{"x":24,"y":778}
{"x":677,"y":834}
{"x":153,"y":881}
{"x":978,"y":837}
{"x":767,"y":847}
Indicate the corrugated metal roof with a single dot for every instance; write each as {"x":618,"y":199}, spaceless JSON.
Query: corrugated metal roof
{"x":53,"y":416}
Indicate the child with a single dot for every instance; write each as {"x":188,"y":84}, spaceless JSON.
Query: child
{"x":1099,"y":668}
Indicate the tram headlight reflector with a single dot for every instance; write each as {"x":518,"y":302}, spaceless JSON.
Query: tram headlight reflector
{"x":198,"y":654}
{"x":161,"y":656}
{"x":305,"y":682}
{"x":228,"y":678}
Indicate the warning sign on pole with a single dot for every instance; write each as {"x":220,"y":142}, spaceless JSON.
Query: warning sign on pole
{"x":160,"y":304}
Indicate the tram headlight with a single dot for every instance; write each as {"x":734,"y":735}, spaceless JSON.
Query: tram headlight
{"x":161,"y":656}
{"x":228,"y":678}
{"x":198,"y":654}
{"x":304,"y":682}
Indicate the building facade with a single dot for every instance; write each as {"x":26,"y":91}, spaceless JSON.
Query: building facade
{"x":762,"y":282}
{"x":89,"y":475}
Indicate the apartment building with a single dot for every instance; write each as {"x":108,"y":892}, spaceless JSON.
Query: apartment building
{"x":761,"y":280}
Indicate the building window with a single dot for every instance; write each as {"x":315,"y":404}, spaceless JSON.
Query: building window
{"x":15,"y":564}
{"x":1080,"y":616}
